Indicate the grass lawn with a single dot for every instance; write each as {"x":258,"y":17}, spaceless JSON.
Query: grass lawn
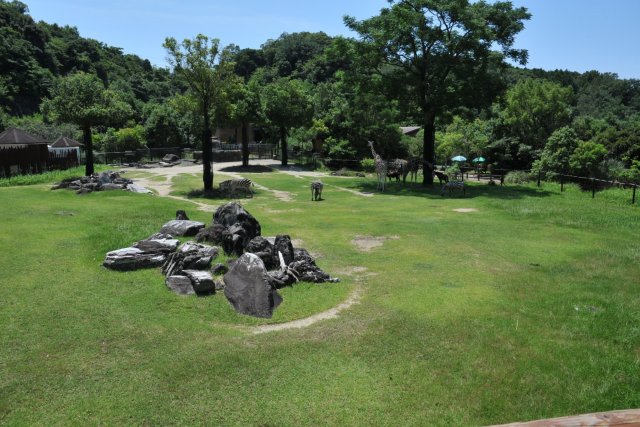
{"x":526,"y":307}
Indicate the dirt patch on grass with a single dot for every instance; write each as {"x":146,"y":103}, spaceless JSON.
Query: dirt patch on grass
{"x":368,"y":243}
{"x":464,"y":210}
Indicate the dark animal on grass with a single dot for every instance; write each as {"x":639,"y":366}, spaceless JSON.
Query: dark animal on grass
{"x":414,"y":166}
{"x":182,"y":215}
{"x":400,"y":167}
{"x":393,"y":173}
{"x":453,"y":186}
{"x":316,"y":190}
{"x":441,"y":176}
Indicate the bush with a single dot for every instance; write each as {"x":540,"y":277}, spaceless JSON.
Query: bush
{"x":517,"y":177}
{"x":368,"y":165}
{"x":453,"y":171}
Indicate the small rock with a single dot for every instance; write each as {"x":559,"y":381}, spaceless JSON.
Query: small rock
{"x":181,"y":285}
{"x":219,"y":269}
{"x":201,"y":281}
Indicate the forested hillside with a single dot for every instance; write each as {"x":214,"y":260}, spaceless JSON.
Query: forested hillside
{"x":557,"y":121}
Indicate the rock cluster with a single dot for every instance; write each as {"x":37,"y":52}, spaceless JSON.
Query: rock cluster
{"x":103,"y":181}
{"x":250,"y":282}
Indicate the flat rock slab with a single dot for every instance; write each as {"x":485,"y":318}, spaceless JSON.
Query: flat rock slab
{"x":128,"y":259}
{"x":158,"y":243}
{"x":138,"y":189}
{"x":248,"y":288}
{"x":182,"y":227}
{"x":181,"y":285}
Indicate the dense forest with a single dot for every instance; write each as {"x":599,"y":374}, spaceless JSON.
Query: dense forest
{"x":327,"y":94}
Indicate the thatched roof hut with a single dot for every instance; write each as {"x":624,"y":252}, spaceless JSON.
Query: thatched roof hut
{"x":16,"y":138}
{"x":21,"y":152}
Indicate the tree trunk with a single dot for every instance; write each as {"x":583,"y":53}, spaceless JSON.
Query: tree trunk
{"x":207,"y":173}
{"x":283,"y":144}
{"x":88,"y":148}
{"x":245,"y":145}
{"x":429,"y":148}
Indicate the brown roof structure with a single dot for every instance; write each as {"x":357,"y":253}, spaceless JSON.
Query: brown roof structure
{"x":13,"y":136}
{"x":64,"y":142}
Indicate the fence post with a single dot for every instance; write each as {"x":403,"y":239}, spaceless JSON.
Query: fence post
{"x":561,"y":183}
{"x":633,"y":198}
{"x":593,"y":188}
{"x":539,"y":176}
{"x":502,"y":177}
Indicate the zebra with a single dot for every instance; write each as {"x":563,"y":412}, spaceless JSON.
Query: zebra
{"x":232,"y":186}
{"x":316,"y":190}
{"x":452,"y":186}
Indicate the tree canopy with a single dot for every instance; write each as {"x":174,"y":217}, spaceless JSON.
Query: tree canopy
{"x":82,"y":99}
{"x":442,"y":51}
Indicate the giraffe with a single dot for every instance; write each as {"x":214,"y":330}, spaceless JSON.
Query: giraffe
{"x":381,"y":167}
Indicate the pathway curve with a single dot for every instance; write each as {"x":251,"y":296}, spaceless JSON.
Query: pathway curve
{"x":163,"y":188}
{"x":332,"y":313}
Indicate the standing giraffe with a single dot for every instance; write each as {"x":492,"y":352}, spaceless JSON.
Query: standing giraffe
{"x":381,"y":167}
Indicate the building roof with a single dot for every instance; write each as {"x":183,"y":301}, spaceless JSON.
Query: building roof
{"x":13,"y":136}
{"x":64,"y":142}
{"x":410,"y":130}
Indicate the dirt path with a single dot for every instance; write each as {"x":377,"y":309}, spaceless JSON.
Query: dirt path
{"x":332,"y":313}
{"x":163,"y":188}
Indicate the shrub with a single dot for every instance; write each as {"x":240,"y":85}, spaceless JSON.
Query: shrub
{"x":453,"y":171}
{"x":368,"y":165}
{"x":517,"y":177}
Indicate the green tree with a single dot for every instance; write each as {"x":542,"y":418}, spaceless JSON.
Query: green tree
{"x":441,"y":50}
{"x":534,"y":109}
{"x":245,"y":107}
{"x":286,"y":104}
{"x":557,"y":152}
{"x":162,"y":126}
{"x":130,"y":138}
{"x":83,"y":100}
{"x":195,"y":62}
{"x":586,"y":159}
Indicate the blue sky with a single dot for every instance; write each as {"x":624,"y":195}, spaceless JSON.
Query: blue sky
{"x":578,"y":35}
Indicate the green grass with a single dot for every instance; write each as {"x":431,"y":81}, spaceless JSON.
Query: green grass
{"x":47,"y":177}
{"x":528,"y":308}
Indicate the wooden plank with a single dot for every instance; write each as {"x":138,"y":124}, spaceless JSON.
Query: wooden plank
{"x":626,"y":418}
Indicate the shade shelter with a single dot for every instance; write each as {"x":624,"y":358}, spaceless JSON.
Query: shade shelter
{"x":64,"y":153}
{"x":22,"y":153}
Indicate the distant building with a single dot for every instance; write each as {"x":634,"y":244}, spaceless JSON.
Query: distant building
{"x":22,"y":153}
{"x":410,"y":130}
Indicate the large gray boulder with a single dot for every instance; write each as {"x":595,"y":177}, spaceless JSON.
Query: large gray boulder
{"x":240,"y":224}
{"x":264,"y":249}
{"x":248,"y":287}
{"x":182,"y":228}
{"x":128,"y":259}
{"x":158,"y":243}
